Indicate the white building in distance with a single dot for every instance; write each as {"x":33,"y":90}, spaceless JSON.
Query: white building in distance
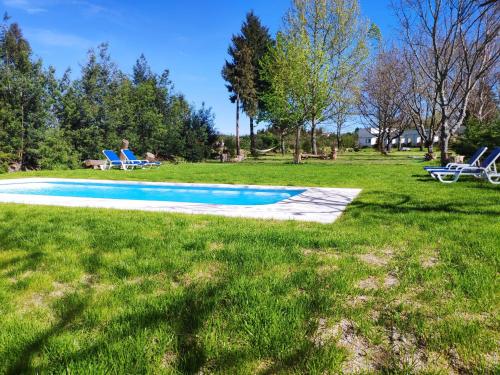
{"x":368,"y":138}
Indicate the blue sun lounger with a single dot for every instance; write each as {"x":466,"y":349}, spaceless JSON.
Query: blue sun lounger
{"x":112,"y":160}
{"x":131,"y":158}
{"x":472,"y":162}
{"x":487,"y":170}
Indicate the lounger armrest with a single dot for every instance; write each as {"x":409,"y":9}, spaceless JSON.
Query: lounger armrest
{"x":469,"y":167}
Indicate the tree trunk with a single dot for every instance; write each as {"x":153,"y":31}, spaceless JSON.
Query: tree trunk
{"x":389,"y":145}
{"x":252,"y":138}
{"x":238,"y":148}
{"x":282,"y":143}
{"x":380,"y":142}
{"x":21,"y":153}
{"x":399,"y":143}
{"x":314,"y":147}
{"x":444,"y":140}
{"x":339,"y":140}
{"x":296,"y":156}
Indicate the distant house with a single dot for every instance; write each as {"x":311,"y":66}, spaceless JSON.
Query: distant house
{"x":368,"y":138}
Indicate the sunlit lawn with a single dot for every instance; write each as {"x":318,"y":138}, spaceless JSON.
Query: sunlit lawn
{"x":406,"y":280}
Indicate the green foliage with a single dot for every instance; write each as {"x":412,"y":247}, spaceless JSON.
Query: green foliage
{"x":199,"y":134}
{"x":245,"y":80}
{"x":285,"y":68}
{"x":478,"y":134}
{"x":349,"y":140}
{"x":5,"y":160}
{"x":50,"y":123}
{"x":25,"y":97}
{"x":56,"y":152}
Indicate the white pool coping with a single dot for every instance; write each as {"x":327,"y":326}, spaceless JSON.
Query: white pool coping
{"x":322,"y":205}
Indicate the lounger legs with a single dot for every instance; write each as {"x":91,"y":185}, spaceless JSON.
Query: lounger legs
{"x":493,"y":178}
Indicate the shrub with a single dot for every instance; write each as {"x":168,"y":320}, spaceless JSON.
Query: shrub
{"x":56,"y":153}
{"x":478,"y":134}
{"x":5,"y":160}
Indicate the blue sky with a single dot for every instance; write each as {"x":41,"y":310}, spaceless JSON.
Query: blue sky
{"x":190,"y":38}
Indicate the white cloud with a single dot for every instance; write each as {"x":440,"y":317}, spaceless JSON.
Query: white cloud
{"x":58,"y":39}
{"x":32,"y":7}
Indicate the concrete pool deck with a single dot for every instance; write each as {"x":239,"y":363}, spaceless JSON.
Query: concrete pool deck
{"x":321,"y":205}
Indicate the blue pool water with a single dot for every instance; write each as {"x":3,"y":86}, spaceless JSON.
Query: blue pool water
{"x":166,"y":193}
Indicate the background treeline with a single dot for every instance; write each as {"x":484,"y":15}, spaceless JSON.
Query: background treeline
{"x":46,"y":122}
{"x":328,"y":66}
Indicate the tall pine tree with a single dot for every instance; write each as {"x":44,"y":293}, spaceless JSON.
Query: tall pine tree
{"x":24,"y":98}
{"x":245,"y":82}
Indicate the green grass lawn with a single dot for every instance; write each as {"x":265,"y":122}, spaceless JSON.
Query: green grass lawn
{"x":405,"y":281}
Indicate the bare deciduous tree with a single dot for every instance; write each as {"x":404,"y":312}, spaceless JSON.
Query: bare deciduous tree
{"x":484,"y":99}
{"x":455,"y":44}
{"x":380,"y":104}
{"x":419,"y":102}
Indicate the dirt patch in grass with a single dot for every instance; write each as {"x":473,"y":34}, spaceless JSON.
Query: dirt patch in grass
{"x":362,"y":355}
{"x":400,"y":352}
{"x":429,"y":262}
{"x":492,"y":360}
{"x":327,"y":269}
{"x":168,"y":360}
{"x":456,"y":362}
{"x":471,"y":316}
{"x":322,"y":254}
{"x":373,"y":260}
{"x":358,"y":300}
{"x":135,"y":280}
{"x":34,"y":301}
{"x":263,"y":366}
{"x":323,"y":333}
{"x":215,"y":246}
{"x":202,"y":273}
{"x":406,"y":352}
{"x":390,"y":281}
{"x":370,"y":283}
{"x":88,"y":279}
{"x":60,"y":289}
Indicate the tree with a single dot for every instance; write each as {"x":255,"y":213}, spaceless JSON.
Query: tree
{"x":236,"y":73}
{"x":484,"y":99}
{"x":336,"y":52}
{"x":24,"y":97}
{"x":342,"y":107}
{"x":380,"y":101}
{"x":419,"y":103}
{"x":51,"y":123}
{"x":243,"y":73}
{"x":454,"y":43}
{"x":199,"y":134}
{"x":85,"y":116}
{"x":141,"y":72}
{"x":285,"y":68}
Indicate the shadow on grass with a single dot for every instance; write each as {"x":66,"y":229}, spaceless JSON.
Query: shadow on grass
{"x":21,"y":263}
{"x":404,"y":203}
{"x":70,"y":311}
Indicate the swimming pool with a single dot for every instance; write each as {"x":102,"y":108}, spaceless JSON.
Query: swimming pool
{"x":315,"y":204}
{"x":240,"y":196}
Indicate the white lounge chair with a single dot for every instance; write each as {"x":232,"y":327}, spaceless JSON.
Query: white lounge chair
{"x":487,"y":170}
{"x":474,"y":161}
